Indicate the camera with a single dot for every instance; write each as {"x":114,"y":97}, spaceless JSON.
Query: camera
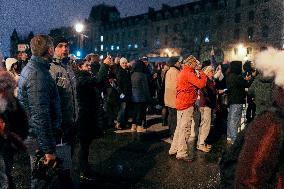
{"x":45,"y":172}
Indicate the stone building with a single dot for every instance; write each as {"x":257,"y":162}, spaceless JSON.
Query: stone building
{"x":236,"y":29}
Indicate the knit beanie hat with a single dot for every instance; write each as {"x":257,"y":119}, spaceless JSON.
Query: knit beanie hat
{"x":190,"y":60}
{"x":59,"y":39}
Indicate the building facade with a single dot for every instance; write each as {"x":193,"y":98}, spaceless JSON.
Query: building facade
{"x":235,"y":29}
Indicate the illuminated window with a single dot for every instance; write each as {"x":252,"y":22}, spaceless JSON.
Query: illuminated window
{"x":102,"y":47}
{"x":102,"y":38}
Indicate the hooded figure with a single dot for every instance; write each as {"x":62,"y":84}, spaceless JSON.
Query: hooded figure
{"x":140,"y":95}
{"x":236,"y":96}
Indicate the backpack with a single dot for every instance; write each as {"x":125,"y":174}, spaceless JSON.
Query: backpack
{"x":230,"y":157}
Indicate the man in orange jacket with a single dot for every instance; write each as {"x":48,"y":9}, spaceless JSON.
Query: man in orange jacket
{"x":190,"y":79}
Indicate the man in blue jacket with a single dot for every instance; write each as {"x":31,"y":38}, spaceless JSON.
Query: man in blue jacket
{"x":39,"y":96}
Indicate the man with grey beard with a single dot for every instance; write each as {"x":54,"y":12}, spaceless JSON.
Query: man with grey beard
{"x":12,"y":131}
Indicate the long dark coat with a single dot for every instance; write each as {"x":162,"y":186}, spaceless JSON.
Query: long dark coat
{"x":90,"y":119}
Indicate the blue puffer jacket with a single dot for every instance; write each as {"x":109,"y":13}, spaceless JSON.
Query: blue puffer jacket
{"x":38,"y":94}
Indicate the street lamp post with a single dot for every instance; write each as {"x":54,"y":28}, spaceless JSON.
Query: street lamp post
{"x":79,"y":27}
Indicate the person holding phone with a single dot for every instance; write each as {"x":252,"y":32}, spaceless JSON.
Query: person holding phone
{"x":90,"y":119}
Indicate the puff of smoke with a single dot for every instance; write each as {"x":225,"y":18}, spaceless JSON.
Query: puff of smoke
{"x":271,"y":63}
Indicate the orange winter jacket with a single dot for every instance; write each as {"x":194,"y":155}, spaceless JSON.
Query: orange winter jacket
{"x":187,"y":87}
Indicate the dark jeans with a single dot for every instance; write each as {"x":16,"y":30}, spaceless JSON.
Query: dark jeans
{"x":172,"y":120}
{"x":165,"y":114}
{"x":122,"y":114}
{"x":110,"y":105}
{"x":219,"y":126}
{"x":139,"y":113}
{"x":234,"y":121}
{"x":250,"y":113}
{"x":85,"y":143}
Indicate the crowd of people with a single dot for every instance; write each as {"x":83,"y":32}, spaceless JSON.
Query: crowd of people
{"x":58,"y":99}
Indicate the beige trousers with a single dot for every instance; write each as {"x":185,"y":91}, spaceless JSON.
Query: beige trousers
{"x":205,"y":125}
{"x":182,"y":133}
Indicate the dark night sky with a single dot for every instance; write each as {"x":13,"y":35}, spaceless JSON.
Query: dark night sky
{"x":40,"y":16}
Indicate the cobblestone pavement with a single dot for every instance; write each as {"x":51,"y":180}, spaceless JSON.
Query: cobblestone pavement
{"x":131,"y":160}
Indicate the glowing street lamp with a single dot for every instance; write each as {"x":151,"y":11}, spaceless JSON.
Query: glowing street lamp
{"x":79,"y":27}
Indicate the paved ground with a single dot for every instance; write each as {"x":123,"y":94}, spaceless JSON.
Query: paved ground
{"x":131,"y":160}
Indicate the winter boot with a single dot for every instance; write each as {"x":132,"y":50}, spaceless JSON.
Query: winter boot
{"x":118,"y":126}
{"x":140,"y":129}
{"x":133,"y":128}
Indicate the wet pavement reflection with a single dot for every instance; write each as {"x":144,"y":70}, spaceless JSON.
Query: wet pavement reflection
{"x":124,"y":160}
{"x":132,"y":160}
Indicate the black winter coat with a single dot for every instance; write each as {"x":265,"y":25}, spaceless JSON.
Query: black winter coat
{"x":140,"y":87}
{"x":90,"y":119}
{"x":124,"y":83}
{"x":95,"y":67}
{"x":236,"y":89}
{"x":236,"y":84}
